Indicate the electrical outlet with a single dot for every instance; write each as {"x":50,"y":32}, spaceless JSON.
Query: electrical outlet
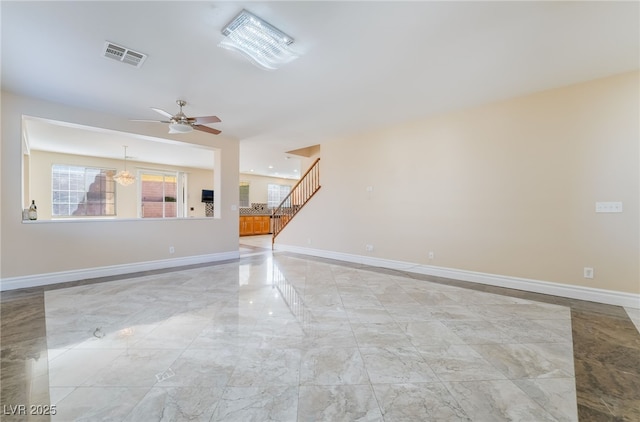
{"x":431,"y":255}
{"x":368,"y":248}
{"x":588,"y":272}
{"x":171,"y":249}
{"x":309,"y":241}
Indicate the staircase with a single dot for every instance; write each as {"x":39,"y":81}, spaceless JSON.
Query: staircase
{"x":300,"y":194}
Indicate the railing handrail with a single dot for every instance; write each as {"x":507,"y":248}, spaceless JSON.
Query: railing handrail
{"x":305,"y":174}
{"x":286,"y":198}
{"x":301,"y":192}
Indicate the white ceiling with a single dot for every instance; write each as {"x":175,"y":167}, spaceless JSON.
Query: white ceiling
{"x":363,"y":65}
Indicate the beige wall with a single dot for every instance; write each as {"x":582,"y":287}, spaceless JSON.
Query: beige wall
{"x":199,"y":179}
{"x":28,"y":249}
{"x":506,"y":189}
{"x":41,"y":163}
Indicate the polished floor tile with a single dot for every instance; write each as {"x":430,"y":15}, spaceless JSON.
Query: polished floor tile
{"x":276,"y":336}
{"x":498,"y":400}
{"x":418,"y":402}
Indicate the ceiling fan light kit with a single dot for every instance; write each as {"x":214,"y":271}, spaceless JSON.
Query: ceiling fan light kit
{"x":180,"y":128}
{"x":262,"y":43}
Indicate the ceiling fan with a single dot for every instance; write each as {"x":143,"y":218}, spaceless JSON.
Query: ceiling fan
{"x":180,"y":123}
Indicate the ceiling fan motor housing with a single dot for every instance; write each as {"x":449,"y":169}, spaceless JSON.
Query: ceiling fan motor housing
{"x":180,"y":117}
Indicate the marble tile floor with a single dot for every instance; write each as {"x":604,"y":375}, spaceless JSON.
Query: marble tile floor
{"x":277,"y":336}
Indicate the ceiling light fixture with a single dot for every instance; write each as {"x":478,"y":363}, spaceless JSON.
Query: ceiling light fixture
{"x":124,"y":178}
{"x":264,"y":44}
{"x":180,"y":128}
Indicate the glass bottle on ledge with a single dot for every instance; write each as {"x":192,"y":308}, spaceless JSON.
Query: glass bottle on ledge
{"x":33,"y":211}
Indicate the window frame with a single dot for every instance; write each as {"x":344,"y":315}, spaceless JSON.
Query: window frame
{"x":283,"y":192}
{"x":244,"y":197}
{"x":181,"y":189}
{"x":104,"y":191}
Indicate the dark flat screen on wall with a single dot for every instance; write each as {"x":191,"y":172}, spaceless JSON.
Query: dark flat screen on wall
{"x":207,"y":195}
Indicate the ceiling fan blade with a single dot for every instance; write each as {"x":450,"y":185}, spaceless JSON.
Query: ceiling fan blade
{"x":164,"y":113}
{"x":149,"y":120}
{"x":206,"y":129}
{"x":204,"y":120}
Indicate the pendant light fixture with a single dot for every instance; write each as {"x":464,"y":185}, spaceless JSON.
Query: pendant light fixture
{"x":124,"y":178}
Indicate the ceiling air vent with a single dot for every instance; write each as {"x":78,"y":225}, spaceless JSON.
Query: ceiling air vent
{"x":123,"y":54}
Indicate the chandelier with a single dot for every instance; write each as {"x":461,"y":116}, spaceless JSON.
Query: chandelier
{"x":123,"y":177}
{"x":264,"y":44}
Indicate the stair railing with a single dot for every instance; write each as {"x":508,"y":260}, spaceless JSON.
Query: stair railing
{"x":298,"y":197}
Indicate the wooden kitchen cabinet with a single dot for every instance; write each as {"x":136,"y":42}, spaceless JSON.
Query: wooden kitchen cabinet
{"x":246,"y":225}
{"x":254,"y":224}
{"x":261,"y":224}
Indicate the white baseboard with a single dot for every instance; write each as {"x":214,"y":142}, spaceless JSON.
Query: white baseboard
{"x":610,"y":297}
{"x":12,"y":283}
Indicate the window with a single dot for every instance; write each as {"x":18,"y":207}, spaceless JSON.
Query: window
{"x":244,"y":194}
{"x":161,"y":194}
{"x":276,"y":194}
{"x":82,"y":191}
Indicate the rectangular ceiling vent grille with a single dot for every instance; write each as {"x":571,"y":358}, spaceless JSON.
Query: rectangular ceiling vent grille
{"x":123,"y":54}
